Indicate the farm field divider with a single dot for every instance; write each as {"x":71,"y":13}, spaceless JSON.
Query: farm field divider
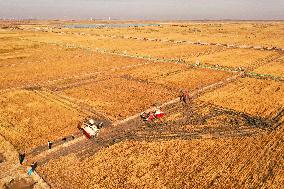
{"x":60,"y":150}
{"x":104,"y":51}
{"x":164,"y":60}
{"x":69,"y":102}
{"x":48,"y":82}
{"x":231,"y":46}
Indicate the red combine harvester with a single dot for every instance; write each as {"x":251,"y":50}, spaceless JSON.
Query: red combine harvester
{"x":90,"y":128}
{"x":152,"y":117}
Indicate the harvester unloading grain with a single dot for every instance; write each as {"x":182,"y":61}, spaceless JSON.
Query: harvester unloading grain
{"x":90,"y":128}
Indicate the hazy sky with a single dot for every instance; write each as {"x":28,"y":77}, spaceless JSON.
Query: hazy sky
{"x":143,"y":9}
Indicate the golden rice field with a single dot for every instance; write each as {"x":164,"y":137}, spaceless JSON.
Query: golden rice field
{"x":229,"y":136}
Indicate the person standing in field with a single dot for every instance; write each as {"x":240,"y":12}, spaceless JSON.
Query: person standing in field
{"x":184,"y":96}
{"x":33,"y":167}
{"x":22,"y":157}
{"x":49,"y":144}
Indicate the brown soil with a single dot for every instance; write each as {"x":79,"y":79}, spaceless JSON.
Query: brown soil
{"x":20,"y":184}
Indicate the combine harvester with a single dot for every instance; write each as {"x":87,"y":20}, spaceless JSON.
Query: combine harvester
{"x":153,"y":117}
{"x":90,"y":128}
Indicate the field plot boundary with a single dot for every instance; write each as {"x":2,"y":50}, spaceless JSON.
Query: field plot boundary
{"x":48,"y":82}
{"x":229,"y":46}
{"x":176,"y":61}
{"x":71,"y":103}
{"x":202,"y":43}
{"x":137,"y":116}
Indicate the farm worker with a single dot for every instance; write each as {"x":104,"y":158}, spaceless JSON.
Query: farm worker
{"x":30,"y":172}
{"x":22,"y":157}
{"x":184,"y":96}
{"x":49,"y":143}
{"x":33,"y":167}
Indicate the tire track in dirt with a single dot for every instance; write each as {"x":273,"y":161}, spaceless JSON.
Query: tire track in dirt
{"x":116,"y":128}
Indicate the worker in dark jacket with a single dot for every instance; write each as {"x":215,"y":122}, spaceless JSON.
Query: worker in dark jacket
{"x":49,"y":143}
{"x":33,"y":167}
{"x":22,"y":157}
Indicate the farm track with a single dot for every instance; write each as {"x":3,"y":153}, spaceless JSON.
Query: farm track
{"x":139,"y":132}
{"x":174,"y":130}
{"x":118,"y":132}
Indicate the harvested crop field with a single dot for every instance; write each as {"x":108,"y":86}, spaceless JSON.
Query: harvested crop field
{"x":28,"y":120}
{"x":275,"y":68}
{"x":226,"y":133}
{"x":253,"y":96}
{"x":234,"y":163}
{"x":238,"y":58}
{"x":120,"y":97}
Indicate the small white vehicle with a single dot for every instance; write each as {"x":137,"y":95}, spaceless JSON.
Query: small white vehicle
{"x":90,"y":128}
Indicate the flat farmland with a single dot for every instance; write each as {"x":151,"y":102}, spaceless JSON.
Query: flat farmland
{"x":256,"y":97}
{"x":28,"y":120}
{"x":275,"y":68}
{"x":49,"y":63}
{"x":193,"y":79}
{"x":119,"y":97}
{"x":152,"y":71}
{"x":130,"y":46}
{"x":152,"y":48}
{"x":234,"y":163}
{"x":239,"y":58}
{"x":261,"y":33}
{"x":175,"y":76}
{"x":229,"y":135}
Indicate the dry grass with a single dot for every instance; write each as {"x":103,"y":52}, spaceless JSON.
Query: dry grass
{"x":192,"y":79}
{"x":119,"y":97}
{"x":251,"y":162}
{"x":238,"y":58}
{"x":275,"y":68}
{"x":256,"y":97}
{"x":28,"y":120}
